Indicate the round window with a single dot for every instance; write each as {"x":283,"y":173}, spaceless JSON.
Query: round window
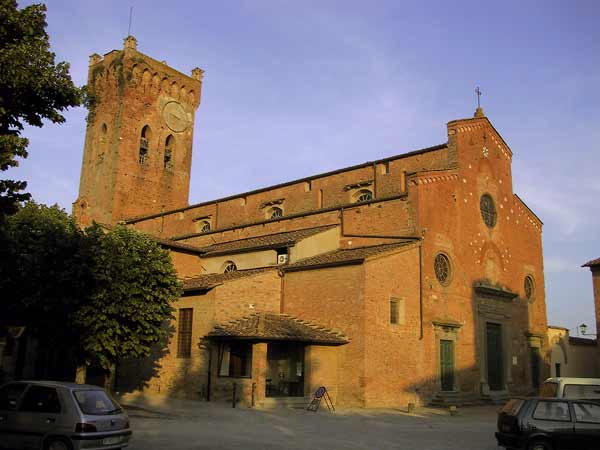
{"x":488,"y":210}
{"x":441,"y":266}
{"x":529,"y":287}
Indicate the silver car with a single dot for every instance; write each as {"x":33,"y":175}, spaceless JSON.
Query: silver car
{"x":50,"y":415}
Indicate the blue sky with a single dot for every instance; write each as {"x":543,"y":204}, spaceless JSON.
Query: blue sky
{"x":294,"y":88}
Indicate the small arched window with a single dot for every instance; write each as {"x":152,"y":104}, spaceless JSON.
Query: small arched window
{"x":229,"y":267}
{"x":103,"y":133}
{"x":204,"y":226}
{"x":275,"y":212}
{"x":169,"y":149}
{"x":364,"y":195}
{"x":144,"y":144}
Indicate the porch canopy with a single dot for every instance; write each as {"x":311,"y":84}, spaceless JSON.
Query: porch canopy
{"x":277,"y":327}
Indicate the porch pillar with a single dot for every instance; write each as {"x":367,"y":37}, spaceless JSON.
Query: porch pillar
{"x":259,"y":371}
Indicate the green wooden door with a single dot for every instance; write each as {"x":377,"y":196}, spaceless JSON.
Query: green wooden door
{"x":495,"y":366}
{"x":447,"y":365}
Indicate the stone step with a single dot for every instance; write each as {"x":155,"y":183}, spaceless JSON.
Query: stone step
{"x":285,"y":402}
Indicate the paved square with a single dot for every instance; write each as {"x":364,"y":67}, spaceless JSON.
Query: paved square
{"x":216,"y":427}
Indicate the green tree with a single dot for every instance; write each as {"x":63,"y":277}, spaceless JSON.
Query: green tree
{"x":43,"y":275}
{"x":32,"y":88}
{"x":126,"y":311}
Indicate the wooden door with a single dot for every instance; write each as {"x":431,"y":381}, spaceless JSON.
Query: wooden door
{"x":495,"y":357}
{"x":447,"y":365}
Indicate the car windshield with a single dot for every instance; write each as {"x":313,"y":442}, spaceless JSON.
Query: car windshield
{"x":512,"y":407}
{"x":97,"y":402}
{"x":549,"y":389}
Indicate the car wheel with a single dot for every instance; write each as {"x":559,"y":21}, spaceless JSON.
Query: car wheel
{"x":539,"y":445}
{"x":57,"y":444}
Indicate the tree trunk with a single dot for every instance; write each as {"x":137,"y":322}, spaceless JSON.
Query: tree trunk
{"x":81,"y":374}
{"x":109,"y":379}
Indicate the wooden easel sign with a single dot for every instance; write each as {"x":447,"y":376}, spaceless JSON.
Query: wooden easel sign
{"x":319,"y":395}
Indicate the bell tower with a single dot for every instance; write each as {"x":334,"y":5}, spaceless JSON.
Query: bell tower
{"x":138,"y":144}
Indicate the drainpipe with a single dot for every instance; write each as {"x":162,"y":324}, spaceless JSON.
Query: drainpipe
{"x":421,"y":288}
{"x":282,"y":289}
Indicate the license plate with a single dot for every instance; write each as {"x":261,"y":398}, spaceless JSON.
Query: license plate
{"x":111,"y":440}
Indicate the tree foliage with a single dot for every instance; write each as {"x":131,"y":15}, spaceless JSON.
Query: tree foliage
{"x":103,"y":295}
{"x":32,"y":88}
{"x":43,"y":272}
{"x":135,"y":283}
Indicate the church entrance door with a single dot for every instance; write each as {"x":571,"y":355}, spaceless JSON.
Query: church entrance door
{"x":447,"y":365}
{"x":494,"y":352}
{"x":285,"y":369}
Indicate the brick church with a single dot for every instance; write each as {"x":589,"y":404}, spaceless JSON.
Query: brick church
{"x":414,"y":278}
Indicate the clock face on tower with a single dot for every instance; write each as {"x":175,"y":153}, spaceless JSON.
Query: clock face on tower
{"x":175,"y":117}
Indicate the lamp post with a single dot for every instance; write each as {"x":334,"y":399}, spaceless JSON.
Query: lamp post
{"x":583,"y":329}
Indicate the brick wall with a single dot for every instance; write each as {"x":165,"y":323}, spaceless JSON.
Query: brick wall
{"x":334,"y":298}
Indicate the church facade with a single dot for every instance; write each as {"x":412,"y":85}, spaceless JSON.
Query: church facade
{"x":409,"y":279}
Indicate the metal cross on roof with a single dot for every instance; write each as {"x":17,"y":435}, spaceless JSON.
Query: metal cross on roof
{"x":478,"y":92}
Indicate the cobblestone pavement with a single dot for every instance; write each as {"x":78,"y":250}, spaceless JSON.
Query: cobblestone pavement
{"x":220,"y":428}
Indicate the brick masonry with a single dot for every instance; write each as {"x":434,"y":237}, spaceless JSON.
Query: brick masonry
{"x":432,"y":196}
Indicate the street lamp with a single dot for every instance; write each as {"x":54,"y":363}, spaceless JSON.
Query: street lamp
{"x":583,"y":329}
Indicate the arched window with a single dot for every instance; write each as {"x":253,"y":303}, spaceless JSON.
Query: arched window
{"x":275,"y":212}
{"x":229,"y":267}
{"x":364,"y":195}
{"x":103,"y":133}
{"x":144,"y":144}
{"x":169,"y":149}
{"x":102,"y":142}
{"x":204,"y":226}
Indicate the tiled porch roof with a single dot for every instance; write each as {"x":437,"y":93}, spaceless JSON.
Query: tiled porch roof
{"x":279,"y":327}
{"x":209,"y":281}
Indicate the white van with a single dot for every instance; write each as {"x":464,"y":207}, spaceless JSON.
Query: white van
{"x":569,"y":387}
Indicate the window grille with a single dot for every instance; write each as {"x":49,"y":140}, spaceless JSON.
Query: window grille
{"x":276,"y":213}
{"x":364,"y":196}
{"x":230,"y":267}
{"x":442,"y":268}
{"x":184,"y":333}
{"x":529,"y":287}
{"x":488,"y":210}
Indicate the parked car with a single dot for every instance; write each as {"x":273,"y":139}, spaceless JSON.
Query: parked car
{"x":569,"y":387}
{"x":549,"y":424}
{"x":50,"y":415}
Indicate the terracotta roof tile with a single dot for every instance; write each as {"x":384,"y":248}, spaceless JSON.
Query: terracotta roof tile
{"x":177,"y":245}
{"x":281,"y":327}
{"x":592,"y":263}
{"x":346,"y":256}
{"x":264,"y":242}
{"x":212,"y":280}
{"x":581,"y":341}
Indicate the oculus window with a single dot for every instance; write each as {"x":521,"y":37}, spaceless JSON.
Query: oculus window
{"x":488,"y":210}
{"x":442,"y":268}
{"x":529,"y":287}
